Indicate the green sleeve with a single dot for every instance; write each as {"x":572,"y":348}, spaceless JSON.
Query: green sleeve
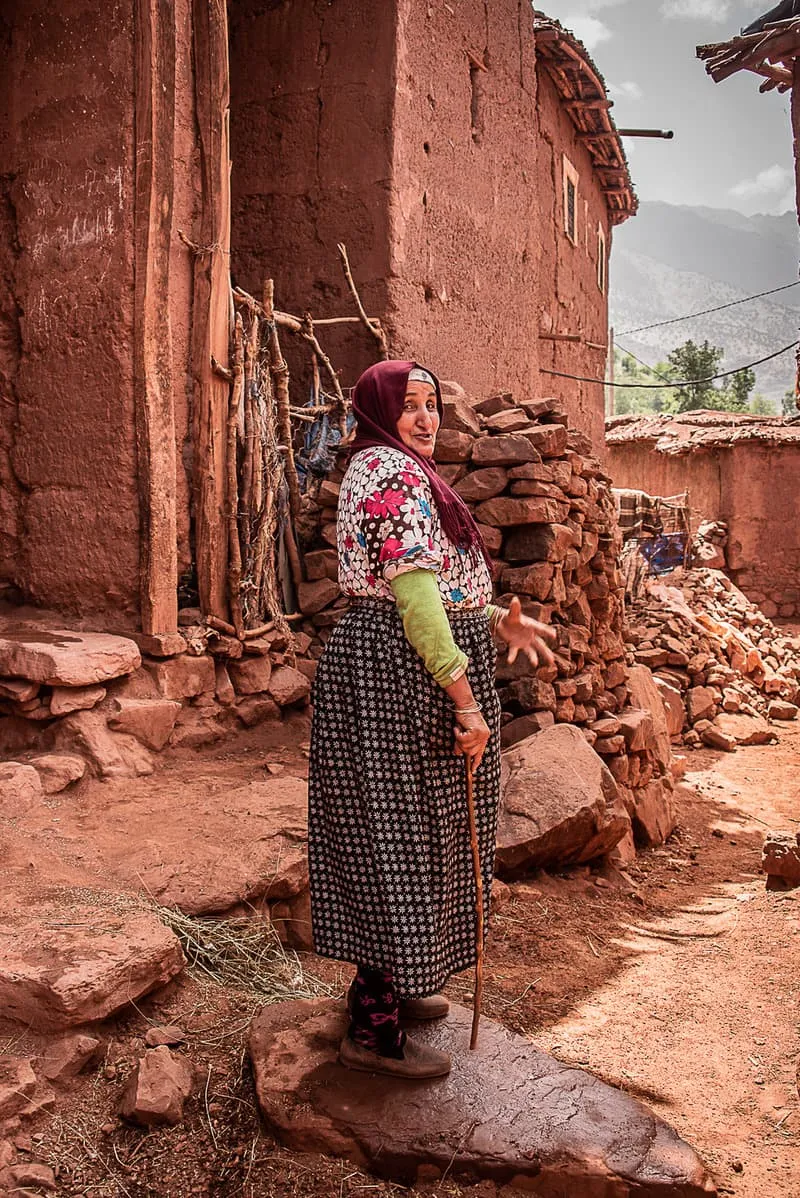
{"x":426,"y":625}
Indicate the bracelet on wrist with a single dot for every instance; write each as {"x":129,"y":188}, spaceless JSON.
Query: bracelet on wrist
{"x":476,"y":707}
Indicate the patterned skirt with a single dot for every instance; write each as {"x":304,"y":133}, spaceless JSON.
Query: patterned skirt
{"x":392,"y":882}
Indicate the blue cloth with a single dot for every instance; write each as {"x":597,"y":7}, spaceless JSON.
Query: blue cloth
{"x":664,"y":552}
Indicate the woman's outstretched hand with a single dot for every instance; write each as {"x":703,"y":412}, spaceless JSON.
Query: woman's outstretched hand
{"x":472,"y":736}
{"x":523,"y":633}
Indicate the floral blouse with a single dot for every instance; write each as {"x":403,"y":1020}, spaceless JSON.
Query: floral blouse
{"x":388,"y":524}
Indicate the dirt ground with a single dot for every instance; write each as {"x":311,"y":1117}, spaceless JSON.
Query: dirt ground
{"x":682,"y":991}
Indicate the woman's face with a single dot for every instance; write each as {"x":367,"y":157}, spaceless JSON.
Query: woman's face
{"x":419,"y":420}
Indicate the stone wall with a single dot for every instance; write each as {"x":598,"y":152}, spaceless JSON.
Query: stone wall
{"x":749,"y":480}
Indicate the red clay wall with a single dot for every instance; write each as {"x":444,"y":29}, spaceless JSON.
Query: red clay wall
{"x":466,"y":226}
{"x":373,"y":125}
{"x":569,"y":298}
{"x":71,"y":539}
{"x":752,"y":486}
{"x":311,"y":113}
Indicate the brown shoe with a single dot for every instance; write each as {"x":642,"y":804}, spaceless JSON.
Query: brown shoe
{"x":418,"y":1061}
{"x":435,"y":1006}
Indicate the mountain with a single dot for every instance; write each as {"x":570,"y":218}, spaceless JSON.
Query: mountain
{"x":670,"y":260}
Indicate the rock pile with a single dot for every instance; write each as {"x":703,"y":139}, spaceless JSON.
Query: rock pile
{"x":547,"y":515}
{"x":76,"y":700}
{"x":723,"y":668}
{"x":708,"y":545}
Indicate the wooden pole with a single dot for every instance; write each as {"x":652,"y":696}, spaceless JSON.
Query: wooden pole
{"x":212,"y":309}
{"x":232,"y":486}
{"x":477,"y":997}
{"x":611,"y":352}
{"x":795,"y":109}
{"x":154,"y":170}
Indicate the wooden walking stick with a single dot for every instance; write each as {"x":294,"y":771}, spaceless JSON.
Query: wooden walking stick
{"x":476,"y":866}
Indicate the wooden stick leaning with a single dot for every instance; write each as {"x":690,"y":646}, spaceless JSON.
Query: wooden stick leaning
{"x":232,"y":485}
{"x":476,"y":866}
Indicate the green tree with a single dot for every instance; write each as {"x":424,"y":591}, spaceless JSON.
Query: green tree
{"x":694,"y":365}
{"x":789,"y":403}
{"x":740,"y":387}
{"x":761,"y":406}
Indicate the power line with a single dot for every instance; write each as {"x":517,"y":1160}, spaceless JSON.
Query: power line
{"x":646,"y":365}
{"x":577,"y":378}
{"x":676,"y":319}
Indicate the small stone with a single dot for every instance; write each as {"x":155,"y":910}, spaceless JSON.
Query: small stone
{"x":480,"y":485}
{"x":32,"y":1174}
{"x":288,"y":686}
{"x":779,"y":709}
{"x":223,"y":687}
{"x":314,"y":596}
{"x":58,"y":772}
{"x":158,"y":1088}
{"x":151,"y":721}
{"x":65,"y":699}
{"x":17,"y":1085}
{"x":110,"y":754}
{"x":251,"y":675}
{"x":255,"y":709}
{"x":20,"y":789}
{"x":508,"y":449}
{"x":781,"y":857}
{"x":169,"y":1034}
{"x":69,"y":1056}
{"x":183,"y":677}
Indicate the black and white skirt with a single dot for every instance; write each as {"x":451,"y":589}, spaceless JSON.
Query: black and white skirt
{"x":392,"y":882}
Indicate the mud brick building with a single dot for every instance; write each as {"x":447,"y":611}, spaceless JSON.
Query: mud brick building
{"x":152,"y":150}
{"x":737,"y":468}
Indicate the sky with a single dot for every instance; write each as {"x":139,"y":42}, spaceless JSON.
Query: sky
{"x":732,"y":147}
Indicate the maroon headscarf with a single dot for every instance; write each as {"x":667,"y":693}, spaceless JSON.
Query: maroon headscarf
{"x":377,"y":405}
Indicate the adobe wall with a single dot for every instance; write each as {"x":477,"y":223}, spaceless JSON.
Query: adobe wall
{"x":751,"y":485}
{"x":70,"y":516}
{"x":374,"y":125}
{"x":466,"y":224}
{"x":312,"y":90}
{"x":569,"y":298}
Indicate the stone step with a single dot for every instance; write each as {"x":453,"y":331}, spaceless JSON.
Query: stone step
{"x":506,"y":1112}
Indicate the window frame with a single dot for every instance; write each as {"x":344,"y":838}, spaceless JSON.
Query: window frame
{"x":570,"y":176}
{"x":602,"y":260}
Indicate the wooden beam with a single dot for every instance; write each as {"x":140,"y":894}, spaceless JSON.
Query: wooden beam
{"x":212,"y":314}
{"x":572,"y":105}
{"x":560,"y":337}
{"x":154,"y":117}
{"x":602,"y":135}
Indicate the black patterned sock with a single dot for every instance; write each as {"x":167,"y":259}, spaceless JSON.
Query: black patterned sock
{"x":374,"y":1013}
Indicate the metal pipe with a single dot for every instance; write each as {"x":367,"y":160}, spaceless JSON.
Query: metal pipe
{"x":667,"y":134}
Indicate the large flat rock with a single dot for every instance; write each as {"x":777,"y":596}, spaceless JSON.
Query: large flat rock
{"x":506,"y":1112}
{"x":80,"y":964}
{"x":58,"y":657}
{"x":560,"y":803}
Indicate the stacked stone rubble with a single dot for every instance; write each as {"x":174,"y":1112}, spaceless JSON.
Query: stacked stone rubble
{"x":544,"y":507}
{"x":716,"y":657}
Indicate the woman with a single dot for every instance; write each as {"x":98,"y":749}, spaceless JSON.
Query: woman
{"x":404,"y":689}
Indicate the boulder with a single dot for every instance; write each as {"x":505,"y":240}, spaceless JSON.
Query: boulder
{"x":313,"y":596}
{"x":535,"y":580}
{"x":459,"y":416}
{"x":540,"y":543}
{"x":321,"y":563}
{"x":524,"y":726}
{"x":506,"y":1112}
{"x":57,"y":772}
{"x":255,"y":709}
{"x":288,"y":686}
{"x":183,"y":677}
{"x":645,"y":695}
{"x":715,"y":737}
{"x":549,"y":440}
{"x":291,"y":919}
{"x":58,"y":657}
{"x":654,"y":816}
{"x":508,"y":449}
{"x":110,"y":754}
{"x":745,"y":729}
{"x":482,"y":484}
{"x":55,"y":975}
{"x":150,"y":720}
{"x":251,"y":675}
{"x":779,"y":709}
{"x":157,"y":1089}
{"x":65,"y":699}
{"x":452,"y":446}
{"x":223,"y":687}
{"x":560,"y":804}
{"x":197,"y":727}
{"x":18,"y":690}
{"x":701,"y":703}
{"x":637,"y":728}
{"x":506,"y":512}
{"x":781,"y":857}
{"x":674,"y":708}
{"x":20,"y":789}
{"x":513,"y":420}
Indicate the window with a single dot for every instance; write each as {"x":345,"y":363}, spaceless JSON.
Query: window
{"x":570,"y":201}
{"x":601,"y":260}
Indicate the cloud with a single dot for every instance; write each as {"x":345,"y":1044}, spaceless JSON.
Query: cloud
{"x":697,"y":10}
{"x":587,"y":29}
{"x":625,"y":91}
{"x":772,"y":179}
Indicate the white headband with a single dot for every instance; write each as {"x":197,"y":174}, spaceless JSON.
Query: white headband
{"x":418,"y":375}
